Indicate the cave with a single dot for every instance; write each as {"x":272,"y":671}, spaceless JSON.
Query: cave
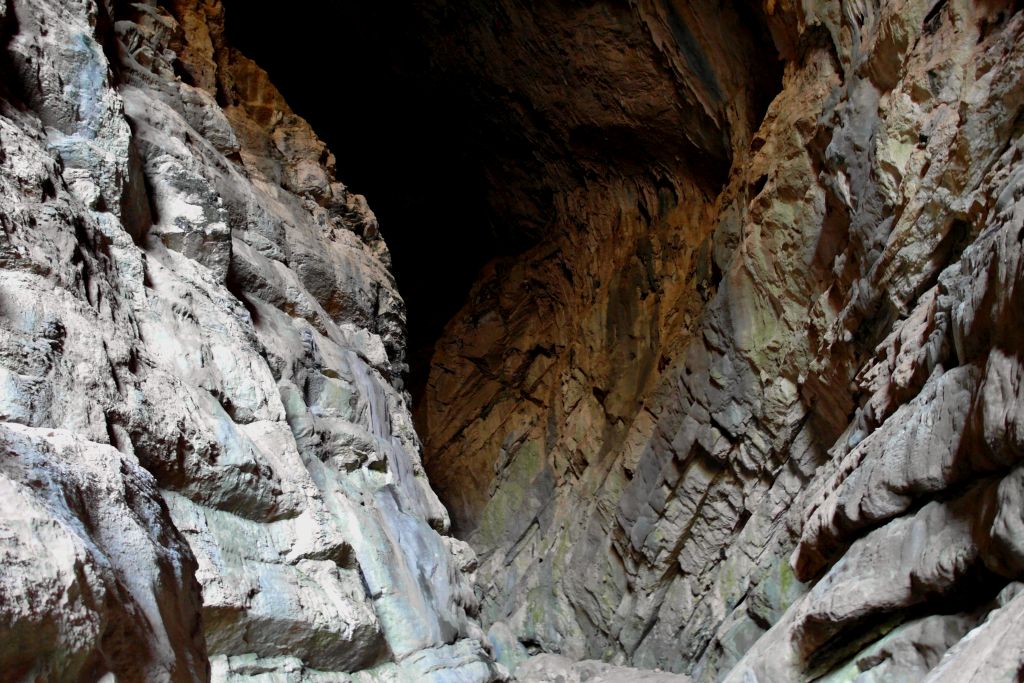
{"x":454,"y":160}
{"x":422,"y":150}
{"x":582,"y":340}
{"x":470,"y":146}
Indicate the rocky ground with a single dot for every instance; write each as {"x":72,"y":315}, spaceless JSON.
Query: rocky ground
{"x":749,"y":410}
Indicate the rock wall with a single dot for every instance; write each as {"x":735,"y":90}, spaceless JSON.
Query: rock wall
{"x":209,"y":466}
{"x":749,"y":408}
{"x":763,"y":425}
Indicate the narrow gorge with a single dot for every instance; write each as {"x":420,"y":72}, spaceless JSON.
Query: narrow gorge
{"x":670,"y":341}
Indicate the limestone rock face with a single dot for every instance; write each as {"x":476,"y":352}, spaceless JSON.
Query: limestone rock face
{"x":209,"y":466}
{"x":767,"y":430}
{"x":549,"y":668}
{"x":96,"y":578}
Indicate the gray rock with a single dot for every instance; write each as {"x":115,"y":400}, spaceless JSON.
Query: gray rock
{"x":97,"y":580}
{"x":748,"y":439}
{"x":204,"y":394}
{"x":750,"y":410}
{"x":548,"y":668}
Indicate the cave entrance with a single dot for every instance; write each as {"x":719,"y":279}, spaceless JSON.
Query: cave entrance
{"x":361,"y":75}
{"x":486,"y":130}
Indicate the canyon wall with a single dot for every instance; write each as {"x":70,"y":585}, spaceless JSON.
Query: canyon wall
{"x":750,"y":409}
{"x":209,"y":468}
{"x":747,"y":406}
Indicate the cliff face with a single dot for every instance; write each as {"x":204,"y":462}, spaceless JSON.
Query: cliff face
{"x":207,"y":469}
{"x":760,"y":424}
{"x":747,"y":406}
{"x":619,"y":131}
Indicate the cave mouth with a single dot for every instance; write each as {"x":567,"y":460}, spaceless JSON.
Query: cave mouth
{"x":404,"y":137}
{"x":467,"y":126}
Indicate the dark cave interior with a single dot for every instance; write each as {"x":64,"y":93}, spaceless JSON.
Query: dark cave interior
{"x":402,"y":136}
{"x":465,"y":124}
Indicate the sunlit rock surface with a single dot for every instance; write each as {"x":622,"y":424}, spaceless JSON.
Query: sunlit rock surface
{"x":209,"y":465}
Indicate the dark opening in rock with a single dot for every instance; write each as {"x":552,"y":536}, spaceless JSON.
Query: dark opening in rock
{"x":404,"y":136}
{"x":467,"y":125}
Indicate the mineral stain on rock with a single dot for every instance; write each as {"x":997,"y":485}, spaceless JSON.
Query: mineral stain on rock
{"x":712,"y":369}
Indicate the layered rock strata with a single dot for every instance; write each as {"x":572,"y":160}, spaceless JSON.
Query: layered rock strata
{"x":764,"y":430}
{"x":209,"y":466}
{"x":749,"y":410}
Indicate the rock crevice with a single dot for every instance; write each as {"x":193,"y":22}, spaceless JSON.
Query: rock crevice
{"x":741,"y":400}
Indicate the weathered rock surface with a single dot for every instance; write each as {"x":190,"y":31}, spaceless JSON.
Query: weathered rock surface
{"x":750,"y":409}
{"x":767,"y":430}
{"x":96,"y":578}
{"x":557,"y":669}
{"x":208,"y":457}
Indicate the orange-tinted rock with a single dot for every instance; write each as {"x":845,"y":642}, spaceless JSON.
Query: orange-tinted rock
{"x":641,"y":422}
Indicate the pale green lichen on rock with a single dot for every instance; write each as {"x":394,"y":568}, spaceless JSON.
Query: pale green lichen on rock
{"x":514,"y":504}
